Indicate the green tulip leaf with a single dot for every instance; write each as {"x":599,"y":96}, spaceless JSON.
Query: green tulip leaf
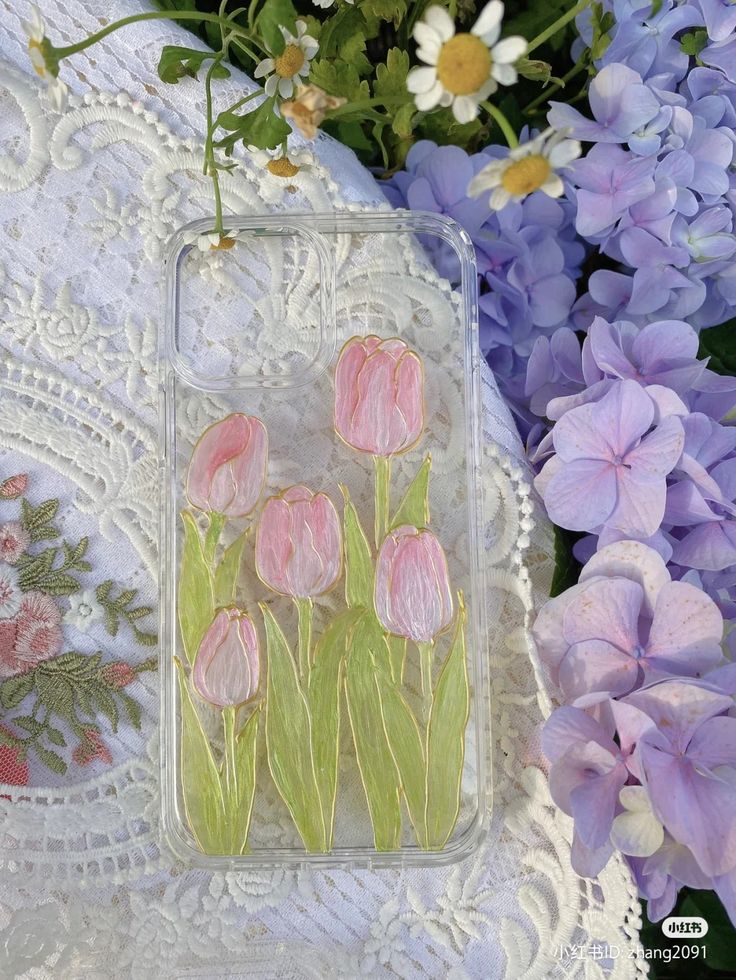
{"x":377,"y":769}
{"x":245,"y":760}
{"x":226,"y":575}
{"x":414,"y":508}
{"x":324,"y":704}
{"x":397,"y":657}
{"x":289,"y":738}
{"x":407,"y":749}
{"x":200,"y":778}
{"x":358,"y":561}
{"x":196,"y":603}
{"x":446,"y":739}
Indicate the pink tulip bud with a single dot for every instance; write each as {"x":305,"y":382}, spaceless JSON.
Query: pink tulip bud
{"x":228,"y":466}
{"x":412,"y":594}
{"x":298,"y":543}
{"x":379,"y":400}
{"x":226,"y":667}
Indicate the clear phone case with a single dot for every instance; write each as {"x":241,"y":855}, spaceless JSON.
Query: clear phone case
{"x":323,"y":645}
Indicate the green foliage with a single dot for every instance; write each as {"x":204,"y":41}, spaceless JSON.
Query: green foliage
{"x":195,"y":600}
{"x":414,"y":508}
{"x":176,"y":62}
{"x":37,"y":520}
{"x":567,"y":567}
{"x":719,"y":344}
{"x":119,"y":607}
{"x":271,"y":17}
{"x":693,"y":42}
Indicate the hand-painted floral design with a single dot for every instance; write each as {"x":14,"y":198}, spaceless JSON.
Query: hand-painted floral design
{"x":47,"y":694}
{"x":228,"y":466}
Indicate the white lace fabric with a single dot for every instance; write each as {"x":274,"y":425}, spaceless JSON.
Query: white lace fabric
{"x":87,"y":202}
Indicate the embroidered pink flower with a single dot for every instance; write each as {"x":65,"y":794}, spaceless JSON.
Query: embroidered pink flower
{"x":299,"y":544}
{"x":14,"y":539}
{"x":226,"y":667}
{"x":412,"y":592}
{"x":38,"y":635}
{"x":13,"y":486}
{"x":91,"y":747}
{"x":10,"y":594}
{"x":228,"y":466}
{"x":118,"y":675}
{"x":379,"y":398}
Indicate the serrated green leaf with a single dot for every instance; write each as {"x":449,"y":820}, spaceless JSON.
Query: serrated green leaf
{"x":393,"y":10}
{"x":323,"y":695}
{"x":339,"y":78}
{"x":245,"y":761}
{"x":391,"y":78}
{"x":273,"y":15}
{"x":403,"y":121}
{"x":15,"y":689}
{"x":375,"y":762}
{"x":358,"y":561}
{"x":694,"y":42}
{"x":407,"y":750}
{"x":200,"y":779}
{"x":352,"y":51}
{"x":195,"y":600}
{"x":339,"y":29}
{"x":228,"y":570}
{"x":262,"y":127}
{"x":414,"y":507}
{"x":446,"y":739}
{"x":50,"y":759}
{"x":178,"y":62}
{"x":289,"y":738}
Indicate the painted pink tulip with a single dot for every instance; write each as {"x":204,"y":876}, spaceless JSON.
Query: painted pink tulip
{"x":379,"y":396}
{"x":412,"y":592}
{"x":228,"y":466}
{"x":298,"y":543}
{"x":226,"y":667}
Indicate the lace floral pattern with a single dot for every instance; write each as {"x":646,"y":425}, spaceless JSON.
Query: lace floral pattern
{"x":101,"y":188}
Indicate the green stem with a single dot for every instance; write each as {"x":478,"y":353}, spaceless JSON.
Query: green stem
{"x":212,"y":537}
{"x":209,"y":153}
{"x":71,"y":49}
{"x":349,"y":107}
{"x":556,"y":26}
{"x":426,"y":651}
{"x":561,"y":83}
{"x":503,"y":124}
{"x":383,"y":492}
{"x":231,"y":772}
{"x":304,"y":609}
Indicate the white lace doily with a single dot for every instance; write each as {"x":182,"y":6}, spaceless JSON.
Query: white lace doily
{"x":88,"y":199}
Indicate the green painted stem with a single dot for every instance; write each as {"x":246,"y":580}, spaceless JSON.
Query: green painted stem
{"x":383,"y":492}
{"x":426,"y":651}
{"x":230,"y":789}
{"x":304,"y":609}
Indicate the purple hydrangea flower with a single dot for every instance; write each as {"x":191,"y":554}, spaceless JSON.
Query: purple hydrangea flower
{"x":610,"y":465}
{"x":609,"y":181}
{"x":609,"y":634}
{"x":554,"y":370}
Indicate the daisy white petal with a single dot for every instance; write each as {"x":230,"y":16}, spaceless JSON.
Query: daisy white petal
{"x":504,"y":74}
{"x":553,"y":186}
{"x":509,"y":50}
{"x":421,"y":80}
{"x":440,"y":21}
{"x":489,"y":19}
{"x":564,"y":153}
{"x":500,"y":198}
{"x":58,"y":93}
{"x":427,"y":38}
{"x":264,"y":67}
{"x":428,"y":100}
{"x":271,"y":84}
{"x":286,"y":87}
{"x":465,"y":108}
{"x":486,"y":179}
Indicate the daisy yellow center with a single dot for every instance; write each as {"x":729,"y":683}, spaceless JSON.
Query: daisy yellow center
{"x":464,"y":64}
{"x":283,"y":167}
{"x":39,"y":65}
{"x":289,"y":61}
{"x":527,"y":175}
{"x":223,"y":245}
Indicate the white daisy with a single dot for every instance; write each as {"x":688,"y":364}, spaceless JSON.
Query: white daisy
{"x":465,"y":68}
{"x":289,"y":66}
{"x":279,"y":163}
{"x":39,"y":49}
{"x":211,"y":241}
{"x":527,"y":168}
{"x":10,"y":594}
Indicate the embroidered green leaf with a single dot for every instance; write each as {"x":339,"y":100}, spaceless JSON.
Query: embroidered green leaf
{"x":324,"y":703}
{"x":55,"y":736}
{"x":105,"y":703}
{"x":36,"y":572}
{"x":377,"y":768}
{"x":37,"y":520}
{"x":15,"y":689}
{"x":74,"y":556}
{"x":196,"y":605}
{"x":56,"y":693}
{"x":52,"y":760}
{"x":414,"y":508}
{"x":446,"y":739}
{"x":132,"y":709}
{"x":405,"y":744}
{"x":358,"y":561}
{"x":7,"y":738}
{"x":31,"y":725}
{"x":200,"y":778}
{"x":289,"y":738}
{"x":226,"y":576}
{"x":245,"y":760}
{"x":119,"y":608}
{"x":75,"y":666}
